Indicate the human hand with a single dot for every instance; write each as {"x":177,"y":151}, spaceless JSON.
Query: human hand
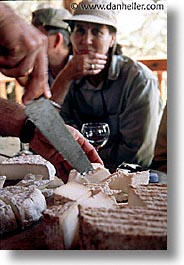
{"x":77,"y":67}
{"x":23,"y":49}
{"x":41,"y":145}
{"x":84,"y":64}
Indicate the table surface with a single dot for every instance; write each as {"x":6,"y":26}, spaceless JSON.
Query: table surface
{"x":31,"y":238}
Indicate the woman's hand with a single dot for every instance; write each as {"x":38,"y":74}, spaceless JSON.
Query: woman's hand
{"x":85,"y":64}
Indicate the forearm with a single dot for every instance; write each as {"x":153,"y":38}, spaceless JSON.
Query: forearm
{"x":60,"y":87}
{"x":12,"y":118}
{"x":68,"y":111}
{"x":77,"y":67}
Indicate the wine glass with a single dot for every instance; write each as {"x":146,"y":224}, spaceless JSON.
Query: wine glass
{"x":97,"y":133}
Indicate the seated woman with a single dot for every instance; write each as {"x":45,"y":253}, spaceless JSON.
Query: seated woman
{"x":110,"y":87}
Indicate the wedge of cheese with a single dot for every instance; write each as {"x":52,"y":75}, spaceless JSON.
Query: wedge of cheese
{"x":98,"y":174}
{"x":71,"y":192}
{"x":61,"y":226}
{"x":127,"y":228}
{"x":153,"y":196}
{"x":61,"y":221}
{"x":120,"y":181}
{"x":17,"y":167}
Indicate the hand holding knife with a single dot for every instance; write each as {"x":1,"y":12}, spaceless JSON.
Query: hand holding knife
{"x":50,"y":123}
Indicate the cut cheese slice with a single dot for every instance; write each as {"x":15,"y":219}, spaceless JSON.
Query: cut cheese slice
{"x":98,"y":174}
{"x":153,"y":196}
{"x":120,"y":181}
{"x":61,"y":221}
{"x":17,"y":167}
{"x":71,"y":191}
{"x":61,"y":226}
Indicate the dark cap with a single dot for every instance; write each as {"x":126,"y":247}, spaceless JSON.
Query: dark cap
{"x":51,"y":17}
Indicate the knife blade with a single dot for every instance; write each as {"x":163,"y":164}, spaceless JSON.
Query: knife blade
{"x":47,"y":119}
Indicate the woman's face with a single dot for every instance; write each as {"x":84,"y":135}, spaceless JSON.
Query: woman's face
{"x":91,"y":37}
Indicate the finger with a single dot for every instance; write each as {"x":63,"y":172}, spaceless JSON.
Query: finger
{"x":98,"y":62}
{"x":95,"y":66}
{"x":20,"y":69}
{"x":90,"y":151}
{"x":10,"y":55}
{"x":94,"y":71}
{"x":38,"y":81}
{"x":40,"y":70}
{"x":18,"y":61}
{"x":86,"y":146}
{"x":100,"y":56}
{"x":61,"y":173}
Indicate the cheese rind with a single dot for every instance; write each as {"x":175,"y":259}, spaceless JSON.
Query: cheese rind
{"x":122,"y":229}
{"x":7,"y":218}
{"x":61,"y":226}
{"x":61,"y":221}
{"x":26,"y":203}
{"x":17,"y":167}
{"x":153,"y":196}
{"x":2,"y":180}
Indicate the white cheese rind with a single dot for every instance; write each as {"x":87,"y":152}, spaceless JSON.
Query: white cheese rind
{"x":17,"y":167}
{"x":26,"y":203}
{"x":7,"y":218}
{"x":2,"y":181}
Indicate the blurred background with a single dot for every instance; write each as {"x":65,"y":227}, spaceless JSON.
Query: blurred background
{"x":141,"y":33}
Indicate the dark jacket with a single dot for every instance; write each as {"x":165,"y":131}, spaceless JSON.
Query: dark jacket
{"x":129,"y":100}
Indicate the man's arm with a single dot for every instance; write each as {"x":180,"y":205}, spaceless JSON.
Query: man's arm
{"x":12,"y":118}
{"x":12,"y":123}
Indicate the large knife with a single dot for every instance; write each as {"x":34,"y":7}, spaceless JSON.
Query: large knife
{"x":47,"y":119}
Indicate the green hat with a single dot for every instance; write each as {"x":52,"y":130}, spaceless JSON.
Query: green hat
{"x":94,"y":11}
{"x":51,"y":17}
